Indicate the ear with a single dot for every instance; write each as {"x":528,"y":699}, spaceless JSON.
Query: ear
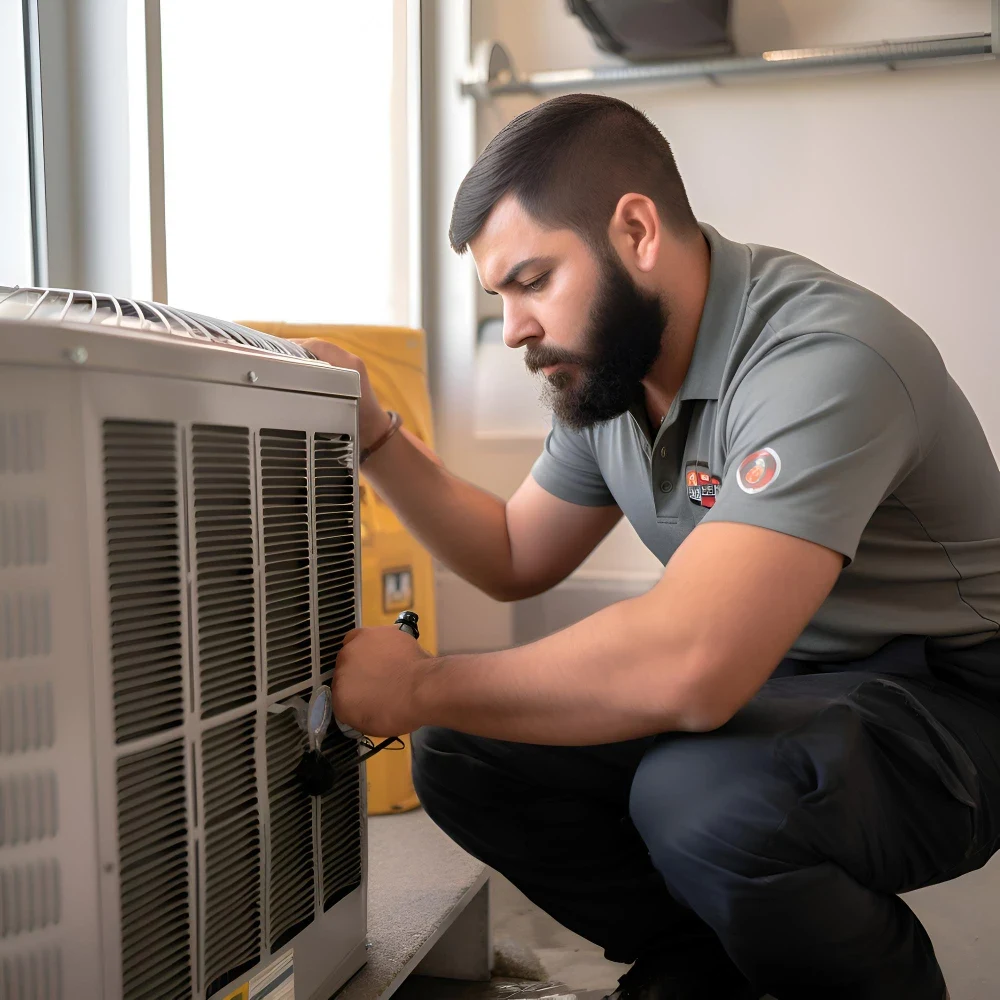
{"x":636,"y":231}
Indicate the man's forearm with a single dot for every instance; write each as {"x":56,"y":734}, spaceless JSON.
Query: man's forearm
{"x":463,"y":526}
{"x":613,"y":676}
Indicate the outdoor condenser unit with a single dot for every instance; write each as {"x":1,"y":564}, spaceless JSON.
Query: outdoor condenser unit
{"x":178,"y":539}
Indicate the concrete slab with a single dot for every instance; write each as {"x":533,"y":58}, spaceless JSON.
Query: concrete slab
{"x":419,"y":885}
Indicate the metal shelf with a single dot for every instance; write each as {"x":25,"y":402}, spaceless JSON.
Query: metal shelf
{"x":493,"y":73}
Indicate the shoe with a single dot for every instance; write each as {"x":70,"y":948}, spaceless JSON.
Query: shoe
{"x":650,"y":979}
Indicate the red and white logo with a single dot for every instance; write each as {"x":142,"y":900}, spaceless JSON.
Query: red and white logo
{"x":703,"y":488}
{"x":759,"y":470}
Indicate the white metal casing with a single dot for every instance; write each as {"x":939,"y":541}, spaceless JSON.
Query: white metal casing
{"x":178,"y":531}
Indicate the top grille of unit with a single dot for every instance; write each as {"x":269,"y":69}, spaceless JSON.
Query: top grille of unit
{"x":61,"y":305}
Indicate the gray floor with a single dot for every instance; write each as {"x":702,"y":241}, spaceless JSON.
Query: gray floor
{"x":962,"y":917}
{"x":963,"y":920}
{"x":565,"y":956}
{"x":524,"y":934}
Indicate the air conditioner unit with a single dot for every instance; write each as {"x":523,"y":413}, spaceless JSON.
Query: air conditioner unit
{"x":178,"y":541}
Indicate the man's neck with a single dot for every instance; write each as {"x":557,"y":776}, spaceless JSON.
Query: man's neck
{"x":685,"y":287}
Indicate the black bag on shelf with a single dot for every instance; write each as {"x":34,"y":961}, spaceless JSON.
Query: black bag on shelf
{"x":646,"y":30}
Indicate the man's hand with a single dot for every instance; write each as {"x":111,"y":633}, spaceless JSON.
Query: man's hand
{"x":372,"y":418}
{"x":376,"y":679}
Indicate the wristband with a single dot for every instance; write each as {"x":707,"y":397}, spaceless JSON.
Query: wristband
{"x":395,"y":422}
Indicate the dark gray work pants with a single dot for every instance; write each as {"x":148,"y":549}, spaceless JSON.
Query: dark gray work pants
{"x":781,"y":839}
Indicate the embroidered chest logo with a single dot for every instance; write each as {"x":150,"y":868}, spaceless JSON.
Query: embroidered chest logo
{"x":702,"y":486}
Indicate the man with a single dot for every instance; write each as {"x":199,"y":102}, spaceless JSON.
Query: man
{"x":728,"y":780}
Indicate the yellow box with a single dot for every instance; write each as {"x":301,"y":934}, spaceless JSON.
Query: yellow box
{"x":396,"y":571}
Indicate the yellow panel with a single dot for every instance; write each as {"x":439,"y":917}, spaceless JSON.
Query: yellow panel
{"x":393,"y":564}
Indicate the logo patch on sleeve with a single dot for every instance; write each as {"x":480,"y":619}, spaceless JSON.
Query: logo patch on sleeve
{"x":759,"y":470}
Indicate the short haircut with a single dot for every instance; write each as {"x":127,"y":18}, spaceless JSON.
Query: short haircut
{"x":568,"y":161}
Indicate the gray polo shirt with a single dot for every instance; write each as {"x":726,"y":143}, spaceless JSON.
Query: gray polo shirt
{"x":814,"y":408}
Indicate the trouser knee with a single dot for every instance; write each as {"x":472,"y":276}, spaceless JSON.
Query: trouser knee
{"x":438,"y":769}
{"x":709,"y":820}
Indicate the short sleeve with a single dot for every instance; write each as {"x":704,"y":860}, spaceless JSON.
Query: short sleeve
{"x":568,"y":469}
{"x":817,"y":434}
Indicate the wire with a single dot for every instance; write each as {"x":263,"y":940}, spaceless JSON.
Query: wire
{"x":373,"y":749}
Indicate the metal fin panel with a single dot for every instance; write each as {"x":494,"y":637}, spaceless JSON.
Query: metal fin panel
{"x":333,"y":479}
{"x":284,"y":480}
{"x":224,"y":567}
{"x":341,"y":821}
{"x":141,"y":489}
{"x":232,"y":853}
{"x":291,"y":873}
{"x":154,"y":869}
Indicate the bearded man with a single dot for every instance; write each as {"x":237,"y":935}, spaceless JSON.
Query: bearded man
{"x":728,"y":780}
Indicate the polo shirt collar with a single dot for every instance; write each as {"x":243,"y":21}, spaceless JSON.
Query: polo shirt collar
{"x":728,"y":286}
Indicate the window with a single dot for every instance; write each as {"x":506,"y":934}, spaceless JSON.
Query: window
{"x":16,"y":265}
{"x":286,"y":159}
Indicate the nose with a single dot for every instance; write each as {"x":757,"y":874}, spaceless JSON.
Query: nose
{"x":519,"y":326}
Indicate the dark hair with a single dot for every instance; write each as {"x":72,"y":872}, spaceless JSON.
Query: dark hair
{"x":568,"y":161}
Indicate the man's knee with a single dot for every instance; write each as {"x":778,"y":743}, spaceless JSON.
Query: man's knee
{"x":705,"y":804}
{"x":434,"y":768}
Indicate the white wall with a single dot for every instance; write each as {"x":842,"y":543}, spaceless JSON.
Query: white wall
{"x":890,"y":178}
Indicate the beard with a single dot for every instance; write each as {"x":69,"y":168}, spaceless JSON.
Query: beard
{"x":624,"y":337}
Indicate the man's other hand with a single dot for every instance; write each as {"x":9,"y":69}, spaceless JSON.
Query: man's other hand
{"x":376,"y":680}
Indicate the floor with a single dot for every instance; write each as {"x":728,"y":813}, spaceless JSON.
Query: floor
{"x":962,"y":917}
{"x":565,"y":956}
{"x":529,"y":944}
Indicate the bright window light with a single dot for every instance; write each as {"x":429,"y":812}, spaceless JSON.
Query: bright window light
{"x":15,"y":190}
{"x":280,"y":146}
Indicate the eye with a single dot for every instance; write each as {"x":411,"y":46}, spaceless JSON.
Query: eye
{"x":538,"y":284}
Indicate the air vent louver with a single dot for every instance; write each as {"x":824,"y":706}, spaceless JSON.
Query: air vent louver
{"x":35,"y":975}
{"x":341,"y":821}
{"x":23,"y":534}
{"x":291,"y":866}
{"x":27,"y":718}
{"x":153,"y":863}
{"x":284,"y":475}
{"x":232,"y":854}
{"x":224,"y":566}
{"x":333,"y":477}
{"x":22,"y":444}
{"x":144,"y":575}
{"x":29,"y":897}
{"x":28,"y":808}
{"x":25,"y":625}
